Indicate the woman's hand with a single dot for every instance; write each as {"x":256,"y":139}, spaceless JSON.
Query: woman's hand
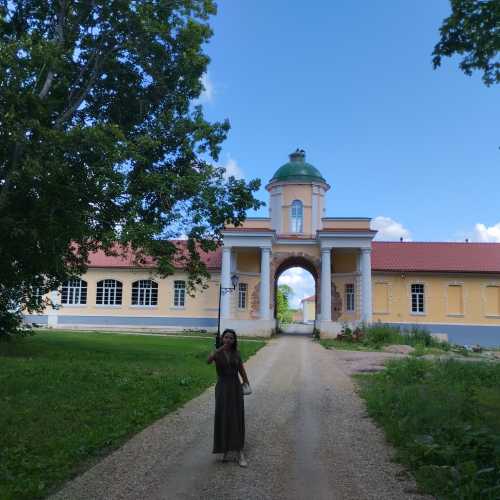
{"x":211,"y":357}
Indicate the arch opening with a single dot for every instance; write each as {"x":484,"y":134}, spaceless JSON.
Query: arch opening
{"x":296,"y":280}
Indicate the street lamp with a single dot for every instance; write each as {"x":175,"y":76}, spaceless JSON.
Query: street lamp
{"x":223,"y":290}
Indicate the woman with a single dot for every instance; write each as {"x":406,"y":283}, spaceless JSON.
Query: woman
{"x":229,"y":429}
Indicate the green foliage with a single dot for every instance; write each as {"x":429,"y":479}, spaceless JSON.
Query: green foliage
{"x":444,"y":419}
{"x":377,"y":335}
{"x":283,"y":311}
{"x":472,"y":31}
{"x":101,"y":141}
{"x":68,"y":398}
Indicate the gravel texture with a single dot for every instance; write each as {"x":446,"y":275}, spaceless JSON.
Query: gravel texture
{"x":308,"y":437}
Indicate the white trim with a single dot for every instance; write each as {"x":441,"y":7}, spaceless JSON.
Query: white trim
{"x":249,"y":240}
{"x":345,"y":240}
{"x":417,"y":313}
{"x":295,"y":242}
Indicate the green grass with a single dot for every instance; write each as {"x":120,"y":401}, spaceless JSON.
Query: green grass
{"x":67,"y":399}
{"x":444,"y":420}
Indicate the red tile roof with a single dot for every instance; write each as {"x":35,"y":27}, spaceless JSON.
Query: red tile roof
{"x":311,"y":298}
{"x":212,"y":260}
{"x":436,"y":257}
{"x":386,"y":256}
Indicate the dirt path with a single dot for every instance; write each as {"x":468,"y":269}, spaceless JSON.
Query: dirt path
{"x":308,"y":437}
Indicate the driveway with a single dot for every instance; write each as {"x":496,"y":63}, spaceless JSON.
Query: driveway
{"x":308,"y":437}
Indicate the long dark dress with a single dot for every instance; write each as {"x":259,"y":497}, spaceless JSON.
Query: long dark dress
{"x":229,"y":427}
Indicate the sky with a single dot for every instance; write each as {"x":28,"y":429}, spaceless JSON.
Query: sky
{"x":352,"y":83}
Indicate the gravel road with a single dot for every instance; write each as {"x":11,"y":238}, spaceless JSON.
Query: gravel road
{"x":308,"y":437}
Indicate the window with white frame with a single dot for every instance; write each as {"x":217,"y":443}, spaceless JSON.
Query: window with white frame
{"x":349,"y":297}
{"x":242,"y":295}
{"x":74,"y":292}
{"x":417,"y":298}
{"x":297,"y":216}
{"x":109,"y":293}
{"x":144,"y":293}
{"x":179,"y":293}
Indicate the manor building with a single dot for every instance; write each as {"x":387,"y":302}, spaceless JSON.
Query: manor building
{"x":450,"y":288}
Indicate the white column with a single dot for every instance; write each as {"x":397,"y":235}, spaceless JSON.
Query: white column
{"x":366,"y":285}
{"x":326,"y":285}
{"x":225,"y":282}
{"x":265,"y":284}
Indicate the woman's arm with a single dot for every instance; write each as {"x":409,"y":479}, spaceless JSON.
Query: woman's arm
{"x":211,"y":357}
{"x":243,"y":373}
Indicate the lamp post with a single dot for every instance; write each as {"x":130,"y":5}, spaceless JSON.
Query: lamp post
{"x":222,"y":290}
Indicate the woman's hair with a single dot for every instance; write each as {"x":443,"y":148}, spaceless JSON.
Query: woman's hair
{"x":235,"y":343}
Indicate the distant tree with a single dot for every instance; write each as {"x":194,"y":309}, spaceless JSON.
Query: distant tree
{"x":100,"y":141}
{"x":472,"y":31}
{"x":283,"y":311}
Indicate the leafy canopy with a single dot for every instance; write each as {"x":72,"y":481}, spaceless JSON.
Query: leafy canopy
{"x":472,"y":31}
{"x":101,"y":140}
{"x":283,"y":311}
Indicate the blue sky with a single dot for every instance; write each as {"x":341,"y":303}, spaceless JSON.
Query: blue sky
{"x":352,"y":83}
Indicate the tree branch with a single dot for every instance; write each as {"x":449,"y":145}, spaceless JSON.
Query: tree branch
{"x":59,"y":30}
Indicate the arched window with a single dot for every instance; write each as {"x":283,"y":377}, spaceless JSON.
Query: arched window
{"x":297,"y":216}
{"x":144,"y":293}
{"x":109,"y":293}
{"x":74,"y":291}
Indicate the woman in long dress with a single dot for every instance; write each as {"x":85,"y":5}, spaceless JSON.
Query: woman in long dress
{"x":229,"y":428}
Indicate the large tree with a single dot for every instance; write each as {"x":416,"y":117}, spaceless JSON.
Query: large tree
{"x":101,"y":141}
{"x":472,"y":31}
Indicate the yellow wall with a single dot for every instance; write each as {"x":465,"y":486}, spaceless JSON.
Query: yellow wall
{"x":300,"y":192}
{"x":340,"y":283}
{"x":310,"y":311}
{"x":344,"y":262}
{"x":248,"y":259}
{"x":256,"y":223}
{"x":467,"y":299}
{"x":252,"y":286}
{"x":204,"y":304}
{"x":311,"y":250}
{"x":345,"y":224}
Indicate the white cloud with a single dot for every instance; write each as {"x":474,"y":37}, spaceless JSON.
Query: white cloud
{"x":232,"y":168}
{"x":487,"y":234}
{"x":208,"y":93}
{"x":389,"y":229}
{"x":300,"y":281}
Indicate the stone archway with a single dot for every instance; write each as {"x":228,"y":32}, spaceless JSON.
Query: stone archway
{"x":281,"y":261}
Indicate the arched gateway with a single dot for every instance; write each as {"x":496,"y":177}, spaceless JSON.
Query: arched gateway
{"x":336,"y":251}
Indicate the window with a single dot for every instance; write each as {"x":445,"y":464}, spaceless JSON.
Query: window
{"x":455,"y":300}
{"x":179,"y":293}
{"x":297,"y":216}
{"x":242,"y":295}
{"x":493,"y":300}
{"x":349,"y":297}
{"x":144,"y":293}
{"x":74,"y":292}
{"x":109,"y":293}
{"x":381,"y":298}
{"x":417,"y":298}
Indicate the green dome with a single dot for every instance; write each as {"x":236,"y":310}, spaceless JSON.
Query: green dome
{"x":297,"y":170}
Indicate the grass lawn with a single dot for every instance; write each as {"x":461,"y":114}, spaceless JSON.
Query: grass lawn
{"x":444,"y":420}
{"x":69,"y":398}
